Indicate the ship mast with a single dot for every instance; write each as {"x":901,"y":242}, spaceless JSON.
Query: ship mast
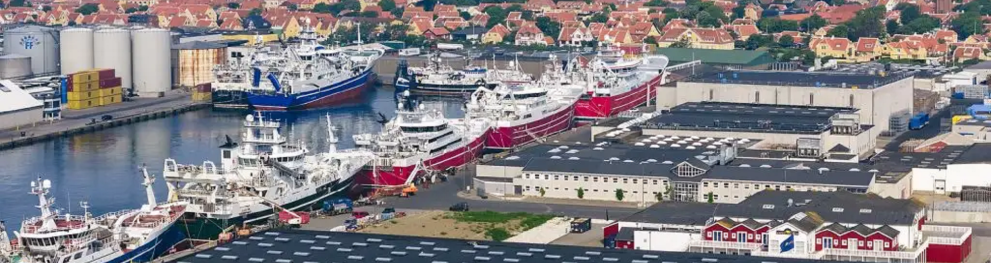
{"x":331,"y":138}
{"x":149,"y":192}
{"x":40,"y":188}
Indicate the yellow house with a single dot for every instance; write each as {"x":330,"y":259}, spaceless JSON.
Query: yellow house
{"x":495,"y":35}
{"x":867,"y":49}
{"x":701,"y":38}
{"x":913,"y":50}
{"x":289,"y":27}
{"x":60,"y":18}
{"x":196,"y":11}
{"x":840,"y":48}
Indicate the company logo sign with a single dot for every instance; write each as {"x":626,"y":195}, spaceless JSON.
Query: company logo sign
{"x":29,"y":42}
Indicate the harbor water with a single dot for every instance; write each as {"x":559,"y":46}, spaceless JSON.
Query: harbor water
{"x":102,"y":168}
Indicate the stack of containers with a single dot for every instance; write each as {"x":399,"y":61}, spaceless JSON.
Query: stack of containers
{"x":92,"y":88}
{"x":202,"y":92}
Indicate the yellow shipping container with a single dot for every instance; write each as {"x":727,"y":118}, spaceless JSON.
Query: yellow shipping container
{"x":85,"y":86}
{"x":82,"y":95}
{"x":202,"y":96}
{"x":85,"y":76}
{"x":113,"y":99}
{"x":83,"y":104}
{"x":109,"y":91}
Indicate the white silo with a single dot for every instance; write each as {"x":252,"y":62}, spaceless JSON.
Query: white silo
{"x":76,"y":50}
{"x":112,"y":49}
{"x":15,"y":66}
{"x":152,"y":49}
{"x":38,"y":42}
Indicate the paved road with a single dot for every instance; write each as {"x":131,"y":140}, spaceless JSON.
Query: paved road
{"x":441,"y":196}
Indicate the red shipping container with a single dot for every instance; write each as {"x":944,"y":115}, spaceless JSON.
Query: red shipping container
{"x":68,"y":83}
{"x":106,"y":74}
{"x":205,"y":87}
{"x":109,"y":83}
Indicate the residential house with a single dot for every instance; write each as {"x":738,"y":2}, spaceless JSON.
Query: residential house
{"x":836,"y":15}
{"x":418,"y":26}
{"x":840,"y":48}
{"x":495,"y":34}
{"x":964,"y":53}
{"x":530,"y":35}
{"x":641,"y":30}
{"x":469,"y":33}
{"x":479,"y":20}
{"x":574,"y":36}
{"x":867,"y":49}
{"x":752,"y":12}
{"x":437,"y":33}
{"x":286,"y":26}
{"x":743,"y":32}
{"x":199,"y":11}
{"x":703,"y":38}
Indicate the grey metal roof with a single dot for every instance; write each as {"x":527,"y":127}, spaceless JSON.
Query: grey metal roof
{"x":807,"y":223}
{"x":677,"y":213}
{"x":837,"y":228}
{"x":801,"y":79}
{"x":977,"y":153}
{"x":856,"y":208}
{"x":599,"y":153}
{"x":720,"y":116}
{"x":862,"y":229}
{"x":888,"y":231}
{"x":315,"y":246}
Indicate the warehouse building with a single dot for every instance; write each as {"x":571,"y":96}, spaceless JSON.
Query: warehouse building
{"x":316,"y":246}
{"x":834,"y":133}
{"x":195,"y":62}
{"x":17,"y":107}
{"x":814,"y":225}
{"x":877,"y":97}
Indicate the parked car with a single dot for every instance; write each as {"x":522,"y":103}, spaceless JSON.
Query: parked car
{"x":460,"y":207}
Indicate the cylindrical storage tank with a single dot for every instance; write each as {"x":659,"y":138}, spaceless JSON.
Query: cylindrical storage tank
{"x":76,"y":50}
{"x":112,"y":49}
{"x":152,"y":49}
{"x":15,"y":66}
{"x":38,"y":42}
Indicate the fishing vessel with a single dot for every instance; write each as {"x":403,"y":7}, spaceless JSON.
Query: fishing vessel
{"x":123,"y":236}
{"x":312,"y":76}
{"x":419,"y":141}
{"x":440,"y":79}
{"x":621,"y":82}
{"x":258,"y":177}
{"x":522,"y":113}
{"x":233,"y":80}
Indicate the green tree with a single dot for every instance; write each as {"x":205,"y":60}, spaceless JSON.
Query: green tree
{"x":599,"y":18}
{"x":775,"y":25}
{"x":87,"y":9}
{"x":255,"y":12}
{"x":292,"y":7}
{"x":739,"y":11}
{"x":130,"y":10}
{"x":650,"y":40}
{"x":786,"y":41}
{"x":757,"y":41}
{"x":428,"y":5}
{"x":839,"y":31}
{"x":526,"y":15}
{"x":967,"y":24}
{"x":46,"y":8}
{"x":656,"y":3}
{"x":233,"y":5}
{"x":550,"y":27}
{"x":542,"y":191}
{"x":620,"y":194}
{"x":321,"y":8}
{"x":581,"y":193}
{"x":142,"y":8}
{"x":891,"y":26}
{"x":909,"y":13}
{"x":17,"y":3}
{"x":659,"y":196}
{"x":398,"y":12}
{"x":465,"y":15}
{"x":867,"y":23}
{"x":369,"y":13}
{"x":711,"y":198}
{"x":387,"y":5}
{"x":813,"y":23}
{"x":497,"y":15}
{"x":922,"y":24}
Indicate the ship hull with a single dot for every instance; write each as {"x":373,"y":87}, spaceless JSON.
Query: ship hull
{"x":396,"y":175}
{"x":608,"y":106}
{"x":154,"y":248}
{"x":229,"y":99}
{"x":506,"y":137}
{"x":197,"y":227}
{"x":331,"y":95}
{"x":439,"y":89}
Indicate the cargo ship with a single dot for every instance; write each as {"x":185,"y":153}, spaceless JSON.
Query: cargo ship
{"x":419,"y":142}
{"x":138,"y":235}
{"x":439,"y":79}
{"x":259,"y":176}
{"x":621,"y":82}
{"x":523,"y":113}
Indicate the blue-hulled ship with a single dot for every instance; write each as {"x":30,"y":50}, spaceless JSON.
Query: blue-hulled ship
{"x":308,"y":75}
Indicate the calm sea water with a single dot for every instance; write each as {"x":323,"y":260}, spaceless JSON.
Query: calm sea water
{"x":102,"y":168}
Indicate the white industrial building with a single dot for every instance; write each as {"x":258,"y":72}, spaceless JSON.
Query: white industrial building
{"x":17,"y":107}
{"x":877,"y":97}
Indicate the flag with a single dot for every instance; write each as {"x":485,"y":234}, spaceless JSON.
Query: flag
{"x":788,"y":244}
